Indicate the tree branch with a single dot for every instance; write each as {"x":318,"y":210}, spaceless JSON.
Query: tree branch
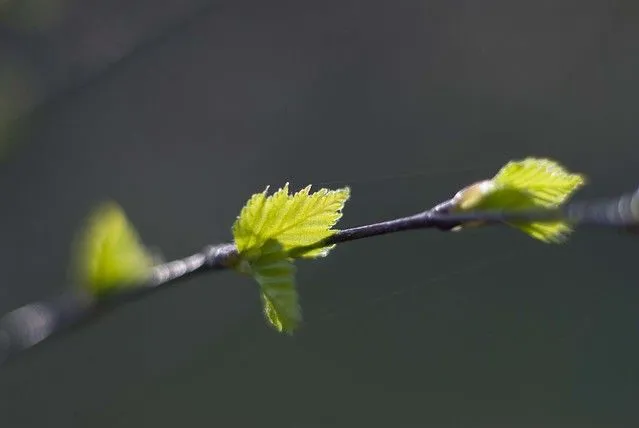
{"x":31,"y":324}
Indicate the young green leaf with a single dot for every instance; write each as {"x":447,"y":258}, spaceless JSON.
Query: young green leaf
{"x":546,"y":181}
{"x":108,"y":253}
{"x":296,"y":220}
{"x":531,"y":183}
{"x":275,"y":273}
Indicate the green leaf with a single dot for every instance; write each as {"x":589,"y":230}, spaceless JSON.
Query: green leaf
{"x":108,"y":253}
{"x":275,"y":273}
{"x":531,"y":183}
{"x":545,"y":181}
{"x":296,"y":220}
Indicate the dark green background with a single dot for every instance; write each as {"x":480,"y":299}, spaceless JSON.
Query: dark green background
{"x":192,"y":115}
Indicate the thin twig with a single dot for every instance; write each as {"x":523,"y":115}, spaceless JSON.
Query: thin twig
{"x":31,"y":324}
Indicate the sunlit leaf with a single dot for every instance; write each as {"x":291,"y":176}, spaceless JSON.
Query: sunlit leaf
{"x":296,"y":220}
{"x":522,"y":185}
{"x":275,"y":273}
{"x":108,"y":253}
{"x":546,"y":181}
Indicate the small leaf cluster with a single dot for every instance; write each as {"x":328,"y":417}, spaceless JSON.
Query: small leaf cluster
{"x":266,"y":231}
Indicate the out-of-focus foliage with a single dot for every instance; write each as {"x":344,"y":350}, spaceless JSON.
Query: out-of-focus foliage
{"x":16,"y":97}
{"x":32,"y":15}
{"x":108,"y":253}
{"x":18,"y":88}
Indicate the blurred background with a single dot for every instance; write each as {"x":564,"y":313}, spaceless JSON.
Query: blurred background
{"x":181,"y":110}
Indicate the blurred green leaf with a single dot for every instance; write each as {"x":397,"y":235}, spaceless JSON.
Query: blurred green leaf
{"x":108,"y":253}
